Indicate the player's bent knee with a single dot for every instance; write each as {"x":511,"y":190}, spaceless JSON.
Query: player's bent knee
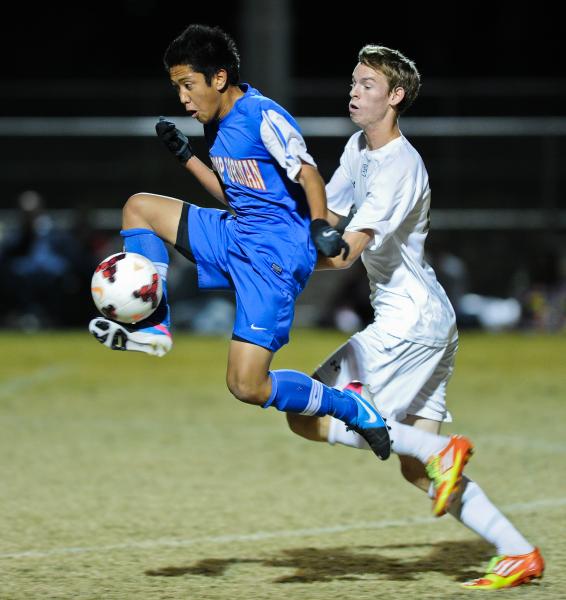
{"x":246,"y":391}
{"x":136,"y":209}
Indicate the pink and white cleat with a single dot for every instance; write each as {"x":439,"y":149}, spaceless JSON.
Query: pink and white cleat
{"x":154,"y":339}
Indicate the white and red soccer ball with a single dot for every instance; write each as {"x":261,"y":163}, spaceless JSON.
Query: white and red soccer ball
{"x":126,"y":287}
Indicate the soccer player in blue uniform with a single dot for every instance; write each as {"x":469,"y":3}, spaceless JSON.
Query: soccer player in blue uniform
{"x":264,"y":249}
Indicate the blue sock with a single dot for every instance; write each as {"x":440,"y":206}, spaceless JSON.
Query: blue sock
{"x":292,"y":391}
{"x":148,"y":244}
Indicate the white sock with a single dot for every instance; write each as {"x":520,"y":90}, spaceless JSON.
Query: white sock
{"x":407,"y":440}
{"x":337,"y":434}
{"x":474,"y":510}
{"x":412,"y":441}
{"x":478,"y":513}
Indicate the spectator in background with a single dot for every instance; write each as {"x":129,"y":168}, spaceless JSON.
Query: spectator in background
{"x":544,"y":295}
{"x":46,"y":267}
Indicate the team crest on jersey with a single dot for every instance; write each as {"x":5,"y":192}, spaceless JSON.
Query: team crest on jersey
{"x":245,"y":172}
{"x":364,"y":170}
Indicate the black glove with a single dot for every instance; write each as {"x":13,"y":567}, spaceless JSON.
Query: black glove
{"x":176,"y":141}
{"x":327,"y":240}
{"x":344,"y":221}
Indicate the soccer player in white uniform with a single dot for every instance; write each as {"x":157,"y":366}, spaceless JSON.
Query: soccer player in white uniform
{"x":405,"y":358}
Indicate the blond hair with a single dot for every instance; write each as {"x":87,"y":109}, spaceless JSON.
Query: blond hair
{"x":397,"y":68}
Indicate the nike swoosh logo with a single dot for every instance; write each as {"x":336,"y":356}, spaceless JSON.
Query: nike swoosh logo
{"x":258,"y":328}
{"x":329,"y":233}
{"x":372,"y":415}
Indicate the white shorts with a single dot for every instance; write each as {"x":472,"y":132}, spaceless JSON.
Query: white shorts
{"x":400,"y":377}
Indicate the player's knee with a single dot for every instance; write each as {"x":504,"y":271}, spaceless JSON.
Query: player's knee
{"x":136,"y":209}
{"x":245,"y":390}
{"x":414,"y":472}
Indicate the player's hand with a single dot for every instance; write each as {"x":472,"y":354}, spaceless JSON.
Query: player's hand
{"x":327,"y":240}
{"x":175,"y":140}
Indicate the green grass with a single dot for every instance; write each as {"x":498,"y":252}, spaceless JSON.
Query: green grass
{"x":126,"y":476}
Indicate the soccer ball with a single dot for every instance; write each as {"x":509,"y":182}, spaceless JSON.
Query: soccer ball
{"x":126,"y":287}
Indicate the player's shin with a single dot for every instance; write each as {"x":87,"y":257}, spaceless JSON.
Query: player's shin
{"x":292,"y":391}
{"x":405,"y":440}
{"x":148,"y":244}
{"x":338,"y":433}
{"x":475,"y":510}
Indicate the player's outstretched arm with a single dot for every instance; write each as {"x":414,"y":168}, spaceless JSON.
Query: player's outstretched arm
{"x":207,"y":178}
{"x":327,"y":240}
{"x":313,"y":184}
{"x":357,"y":241}
{"x":338,"y":221}
{"x":179,"y":145}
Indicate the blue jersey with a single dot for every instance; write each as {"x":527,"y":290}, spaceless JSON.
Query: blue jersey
{"x":257,"y":150}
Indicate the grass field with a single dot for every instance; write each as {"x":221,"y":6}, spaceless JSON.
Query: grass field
{"x":126,"y":476}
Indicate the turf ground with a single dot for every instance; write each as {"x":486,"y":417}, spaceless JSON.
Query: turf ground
{"x":126,"y":476}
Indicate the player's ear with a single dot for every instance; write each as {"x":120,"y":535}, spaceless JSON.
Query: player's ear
{"x":220,"y":80}
{"x":396,"y":96}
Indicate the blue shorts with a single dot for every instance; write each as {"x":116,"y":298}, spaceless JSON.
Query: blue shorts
{"x":265,"y":302}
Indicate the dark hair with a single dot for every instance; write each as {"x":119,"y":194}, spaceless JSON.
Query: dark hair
{"x":206,"y":50}
{"x":397,"y":68}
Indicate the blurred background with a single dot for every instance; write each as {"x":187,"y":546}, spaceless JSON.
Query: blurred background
{"x":82,"y":89}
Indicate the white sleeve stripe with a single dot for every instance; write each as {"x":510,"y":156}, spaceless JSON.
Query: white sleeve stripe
{"x":278,"y":133}
{"x":284,"y":142}
{"x":281,"y":137}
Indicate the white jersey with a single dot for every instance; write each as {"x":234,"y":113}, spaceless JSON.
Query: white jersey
{"x":390,"y":190}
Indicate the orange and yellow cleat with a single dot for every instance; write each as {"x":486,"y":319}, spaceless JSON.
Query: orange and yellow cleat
{"x":509,"y":571}
{"x":445,"y":470}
